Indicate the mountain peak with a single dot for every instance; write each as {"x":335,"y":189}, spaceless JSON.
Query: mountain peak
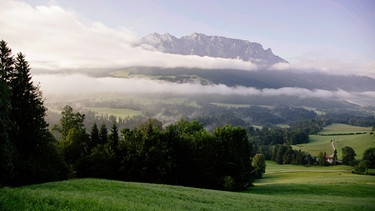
{"x":212,"y":46}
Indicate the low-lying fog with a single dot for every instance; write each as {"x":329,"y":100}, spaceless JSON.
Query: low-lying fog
{"x":55,"y":84}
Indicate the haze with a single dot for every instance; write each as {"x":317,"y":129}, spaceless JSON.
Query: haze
{"x":70,"y":84}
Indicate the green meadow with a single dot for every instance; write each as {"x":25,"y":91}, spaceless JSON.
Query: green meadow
{"x":313,"y":175}
{"x":359,"y":138}
{"x":117,"y":112}
{"x":344,"y":129}
{"x":283,"y":187}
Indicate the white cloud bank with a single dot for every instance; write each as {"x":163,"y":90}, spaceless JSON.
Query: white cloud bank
{"x":53,"y":38}
{"x":329,"y":66}
{"x":55,"y":84}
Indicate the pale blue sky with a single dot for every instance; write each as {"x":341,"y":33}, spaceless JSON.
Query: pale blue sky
{"x":290,"y":27}
{"x":336,"y":36}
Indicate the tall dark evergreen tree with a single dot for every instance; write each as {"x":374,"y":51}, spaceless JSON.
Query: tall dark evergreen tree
{"x":103,"y":134}
{"x":37,"y":159}
{"x":27,"y":154}
{"x":114,"y":136}
{"x":94,"y":136}
{"x":6,"y":146}
{"x":28,"y":111}
{"x":6,"y":61}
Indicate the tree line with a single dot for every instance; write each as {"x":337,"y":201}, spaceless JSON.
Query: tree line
{"x":183,"y":153}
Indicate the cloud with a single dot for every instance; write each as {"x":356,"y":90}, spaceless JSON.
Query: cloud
{"x":55,"y":84}
{"x":54,"y":38}
{"x":329,"y":66}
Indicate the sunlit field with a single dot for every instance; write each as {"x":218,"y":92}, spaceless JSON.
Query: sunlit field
{"x":284,"y":187}
{"x":322,"y":143}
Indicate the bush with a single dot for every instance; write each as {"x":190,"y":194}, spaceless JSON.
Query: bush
{"x":228,"y":183}
{"x":360,"y":168}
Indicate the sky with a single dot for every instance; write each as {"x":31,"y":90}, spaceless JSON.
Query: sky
{"x":335,"y":36}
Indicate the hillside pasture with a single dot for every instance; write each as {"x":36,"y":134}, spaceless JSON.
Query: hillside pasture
{"x":99,"y":194}
{"x":117,"y":112}
{"x":339,"y":129}
{"x":283,"y":187}
{"x":316,"y":175}
{"x":359,"y":138}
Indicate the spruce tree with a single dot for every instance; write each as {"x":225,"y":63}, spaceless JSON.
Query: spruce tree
{"x":94,"y":135}
{"x":114,"y":136}
{"x":103,"y":134}
{"x":6,"y":147}
{"x":28,"y":111}
{"x":27,"y":151}
{"x":6,"y":61}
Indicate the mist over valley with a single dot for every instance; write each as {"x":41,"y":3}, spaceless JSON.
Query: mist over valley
{"x":196,"y":79}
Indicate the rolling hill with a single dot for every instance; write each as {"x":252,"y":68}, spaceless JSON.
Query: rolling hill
{"x":309,"y":189}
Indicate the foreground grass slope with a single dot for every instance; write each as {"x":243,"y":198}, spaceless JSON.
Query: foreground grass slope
{"x":283,"y":188}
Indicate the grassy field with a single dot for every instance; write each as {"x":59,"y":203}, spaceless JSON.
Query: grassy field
{"x":344,"y":129}
{"x":317,"y":175}
{"x":284,"y":187}
{"x":117,"y":112}
{"x":321,"y":143}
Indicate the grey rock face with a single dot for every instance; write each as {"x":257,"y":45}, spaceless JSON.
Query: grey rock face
{"x":212,"y":46}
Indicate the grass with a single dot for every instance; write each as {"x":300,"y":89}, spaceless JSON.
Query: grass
{"x":98,"y":194}
{"x":117,"y":112}
{"x":344,"y":129}
{"x":284,"y":187}
{"x":321,"y":143}
{"x":317,"y":175}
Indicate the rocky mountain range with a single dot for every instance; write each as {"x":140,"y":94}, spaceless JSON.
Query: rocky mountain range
{"x":212,"y":46}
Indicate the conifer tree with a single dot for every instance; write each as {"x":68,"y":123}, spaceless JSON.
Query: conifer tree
{"x":6,"y":147}
{"x":94,"y":136}
{"x":114,"y":136}
{"x":27,"y":154}
{"x":103,"y":134}
{"x":6,"y":61}
{"x":28,"y":111}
